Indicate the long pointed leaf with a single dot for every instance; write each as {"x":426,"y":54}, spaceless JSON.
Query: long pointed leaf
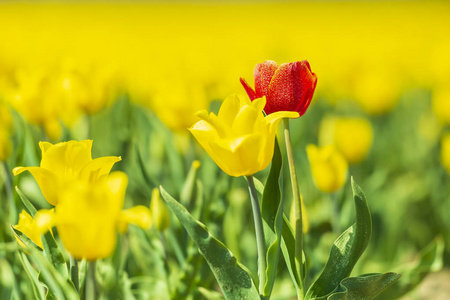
{"x":363,"y":287}
{"x":272,"y":214}
{"x":233,"y":279}
{"x":346,"y":250}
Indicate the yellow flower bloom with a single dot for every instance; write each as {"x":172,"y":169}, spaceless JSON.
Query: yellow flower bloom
{"x":160,"y":214}
{"x":90,"y":214}
{"x":64,"y":162}
{"x":441,"y":105}
{"x":328,"y":167}
{"x":240,"y":139}
{"x":445,"y":151}
{"x":28,"y":226}
{"x":352,"y":136}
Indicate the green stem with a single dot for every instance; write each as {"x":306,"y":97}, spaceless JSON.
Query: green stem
{"x":259,"y":229}
{"x":74,"y":272}
{"x":90,"y":282}
{"x":336,"y":213}
{"x":297,"y":209}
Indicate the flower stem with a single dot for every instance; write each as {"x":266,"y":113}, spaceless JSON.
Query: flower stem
{"x":259,"y":229}
{"x":297,"y":209}
{"x":90,"y":282}
{"x":9,"y":194}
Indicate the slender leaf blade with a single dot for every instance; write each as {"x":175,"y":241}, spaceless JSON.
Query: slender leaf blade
{"x":346,"y":250}
{"x":233,"y":279}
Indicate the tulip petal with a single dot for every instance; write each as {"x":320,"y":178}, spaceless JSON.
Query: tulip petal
{"x":45,"y":219}
{"x":67,"y":159}
{"x":44,"y":146}
{"x":244,"y":122}
{"x":47,"y":181}
{"x":204,"y":133}
{"x":117,"y":183}
{"x":138,"y":215}
{"x":263,"y":74}
{"x":99,"y":167}
{"x":229,"y":108}
{"x":308,"y":82}
{"x":250,"y":92}
{"x":274,"y":118}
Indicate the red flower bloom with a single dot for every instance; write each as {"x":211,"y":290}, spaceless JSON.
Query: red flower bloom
{"x":288,"y":87}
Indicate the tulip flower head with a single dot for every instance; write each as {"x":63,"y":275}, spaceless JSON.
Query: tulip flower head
{"x":328,"y":167}
{"x":28,"y":226}
{"x":445,"y":152}
{"x":240,"y":139}
{"x":64,"y":162}
{"x":89,"y":216}
{"x":288,"y":87}
{"x":352,"y":136}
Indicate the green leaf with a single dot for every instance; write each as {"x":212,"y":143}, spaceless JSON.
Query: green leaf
{"x":51,"y":248}
{"x":288,"y":248}
{"x":272,"y":214}
{"x":346,"y":250}
{"x":233,"y":279}
{"x":30,"y":207}
{"x":363,"y":287}
{"x":33,"y":276}
{"x":429,"y":260}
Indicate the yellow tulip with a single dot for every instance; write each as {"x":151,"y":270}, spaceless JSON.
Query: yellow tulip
{"x":5,"y":128}
{"x":64,"y":162}
{"x":328,"y":167}
{"x":90,"y":214}
{"x":28,"y":226}
{"x":441,"y":105}
{"x":445,"y":151}
{"x":240,"y":139}
{"x":352,"y":136}
{"x":160,"y":214}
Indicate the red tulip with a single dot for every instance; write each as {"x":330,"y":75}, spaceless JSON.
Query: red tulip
{"x":288,"y":87}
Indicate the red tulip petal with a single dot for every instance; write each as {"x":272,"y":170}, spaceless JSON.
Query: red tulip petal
{"x":250,"y":92}
{"x":308,"y":82}
{"x":263,"y":74}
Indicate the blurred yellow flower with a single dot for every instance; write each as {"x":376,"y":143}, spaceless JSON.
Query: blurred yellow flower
{"x":445,"y":151}
{"x":353,"y":137}
{"x":65,"y":162}
{"x":328,"y":167}
{"x":5,"y":130}
{"x":160,"y":214}
{"x":28,"y":226}
{"x":239,"y":139}
{"x":441,"y":104}
{"x":90,"y":214}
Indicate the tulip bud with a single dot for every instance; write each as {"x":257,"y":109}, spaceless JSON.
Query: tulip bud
{"x":288,"y":87}
{"x":445,"y":152}
{"x":328,"y":167}
{"x":160,"y":214}
{"x":28,"y":226}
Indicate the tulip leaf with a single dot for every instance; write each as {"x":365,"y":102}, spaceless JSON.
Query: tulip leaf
{"x":28,"y":205}
{"x":429,"y":260}
{"x":346,"y":250}
{"x":33,"y":276}
{"x":272,"y":214}
{"x":288,"y":248}
{"x":232,"y":277}
{"x":363,"y":287}
{"x":51,"y":248}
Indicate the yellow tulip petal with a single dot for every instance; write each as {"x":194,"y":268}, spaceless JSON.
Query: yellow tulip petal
{"x":158,"y":209}
{"x":274,"y":118}
{"x":27,"y":225}
{"x":47,"y":181}
{"x":99,"y":167}
{"x":45,"y":219}
{"x":244,"y":122}
{"x":259,"y":104}
{"x":44,"y":146}
{"x":229,"y":108}
{"x":117,"y":183}
{"x":204,"y":133}
{"x":138,"y":215}
{"x":66,"y":159}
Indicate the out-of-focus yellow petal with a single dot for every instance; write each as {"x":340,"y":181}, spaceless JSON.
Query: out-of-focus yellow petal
{"x":445,"y":151}
{"x":328,"y":167}
{"x":99,"y":167}
{"x":45,"y":220}
{"x":138,"y":215}
{"x":160,"y":214}
{"x":48,"y":182}
{"x":27,"y":225}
